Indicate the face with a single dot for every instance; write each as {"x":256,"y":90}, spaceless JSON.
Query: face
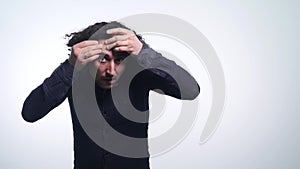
{"x":109,"y":69}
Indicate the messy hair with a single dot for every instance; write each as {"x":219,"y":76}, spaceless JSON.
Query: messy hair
{"x":95,"y":32}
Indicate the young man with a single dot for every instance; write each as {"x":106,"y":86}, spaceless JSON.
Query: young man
{"x":121,"y":69}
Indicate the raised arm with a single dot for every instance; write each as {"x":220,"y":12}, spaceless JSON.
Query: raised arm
{"x":167,"y":76}
{"x":55,"y":88}
{"x":49,"y":94}
{"x":164,"y":74}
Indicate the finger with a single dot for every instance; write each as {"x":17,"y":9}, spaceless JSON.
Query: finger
{"x":92,"y":58}
{"x":86,"y":43}
{"x":91,"y":50}
{"x":92,"y":53}
{"x":85,"y":55}
{"x":121,"y":31}
{"x":123,"y":49}
{"x":116,"y":38}
{"x":118,"y":43}
{"x":93,"y":47}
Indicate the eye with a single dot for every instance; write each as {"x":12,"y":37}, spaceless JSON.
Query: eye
{"x":120,"y":54}
{"x":103,"y":59}
{"x":119,"y":60}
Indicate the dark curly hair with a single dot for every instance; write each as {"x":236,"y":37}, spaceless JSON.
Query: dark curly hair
{"x":95,"y":32}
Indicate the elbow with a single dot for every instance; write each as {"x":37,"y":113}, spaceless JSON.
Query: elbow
{"x":28,"y":116}
{"x":195,"y":93}
{"x":192,"y":94}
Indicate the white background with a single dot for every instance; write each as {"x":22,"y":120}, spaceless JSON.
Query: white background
{"x":257,"y":44}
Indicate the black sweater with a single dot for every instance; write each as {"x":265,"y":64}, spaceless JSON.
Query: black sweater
{"x":94,"y":145}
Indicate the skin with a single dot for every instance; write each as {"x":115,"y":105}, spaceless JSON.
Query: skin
{"x":109,"y":68}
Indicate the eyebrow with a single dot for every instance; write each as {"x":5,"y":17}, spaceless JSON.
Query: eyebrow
{"x":103,"y":56}
{"x":121,"y":55}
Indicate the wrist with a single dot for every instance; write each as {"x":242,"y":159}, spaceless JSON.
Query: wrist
{"x":72,"y":61}
{"x":141,"y":47}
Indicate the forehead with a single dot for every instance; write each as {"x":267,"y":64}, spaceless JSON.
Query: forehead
{"x":115,"y":54}
{"x":101,"y":41}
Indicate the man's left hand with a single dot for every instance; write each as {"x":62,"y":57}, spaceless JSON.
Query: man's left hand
{"x":123,"y":40}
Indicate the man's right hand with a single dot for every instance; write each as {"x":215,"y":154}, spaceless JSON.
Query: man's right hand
{"x":85,"y":52}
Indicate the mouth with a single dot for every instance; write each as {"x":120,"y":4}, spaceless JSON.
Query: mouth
{"x":107,"y":82}
{"x":108,"y":79}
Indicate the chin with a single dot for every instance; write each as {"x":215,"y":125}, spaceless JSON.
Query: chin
{"x":106,"y":86}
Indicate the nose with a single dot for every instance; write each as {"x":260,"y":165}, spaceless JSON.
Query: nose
{"x":111,"y":68}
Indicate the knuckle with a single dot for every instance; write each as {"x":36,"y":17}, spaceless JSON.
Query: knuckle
{"x":74,"y":47}
{"x":76,"y":52}
{"x":88,"y":48}
{"x":83,"y":43}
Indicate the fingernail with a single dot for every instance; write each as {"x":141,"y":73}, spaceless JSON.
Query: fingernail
{"x":108,"y":31}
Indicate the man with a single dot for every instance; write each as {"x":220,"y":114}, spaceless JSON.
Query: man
{"x":121,"y":69}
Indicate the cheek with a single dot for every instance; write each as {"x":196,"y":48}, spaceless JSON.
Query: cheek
{"x":93,"y":68}
{"x":121,"y":68}
{"x":100,"y":70}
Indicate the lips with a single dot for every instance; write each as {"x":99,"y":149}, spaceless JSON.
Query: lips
{"x":108,"y":79}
